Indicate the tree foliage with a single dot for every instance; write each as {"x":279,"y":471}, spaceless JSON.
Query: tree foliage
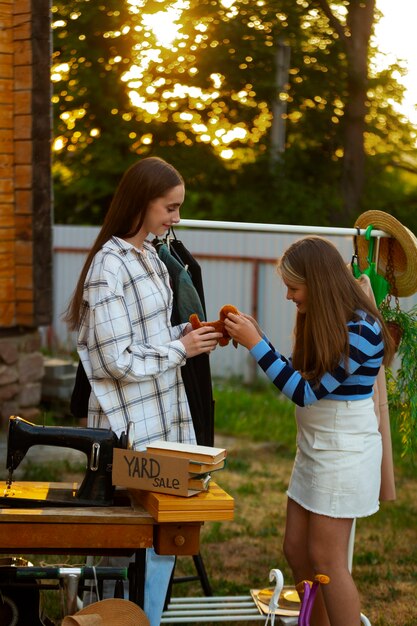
{"x":204,"y":93}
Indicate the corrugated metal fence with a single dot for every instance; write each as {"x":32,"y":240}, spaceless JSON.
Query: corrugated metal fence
{"x":238,"y":268}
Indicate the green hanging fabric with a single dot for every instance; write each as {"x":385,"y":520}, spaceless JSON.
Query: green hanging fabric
{"x":380,"y":286}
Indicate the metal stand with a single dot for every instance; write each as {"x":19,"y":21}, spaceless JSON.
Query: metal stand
{"x":137,"y":577}
{"x":201,"y":576}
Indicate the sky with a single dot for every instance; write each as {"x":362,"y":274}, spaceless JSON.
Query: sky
{"x":396,"y":37}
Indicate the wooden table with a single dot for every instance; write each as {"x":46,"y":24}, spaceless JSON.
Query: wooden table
{"x":125,"y":529}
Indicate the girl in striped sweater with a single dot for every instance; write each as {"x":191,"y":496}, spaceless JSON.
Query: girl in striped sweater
{"x":340,"y":342}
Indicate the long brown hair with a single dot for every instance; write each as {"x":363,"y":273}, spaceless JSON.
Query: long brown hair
{"x":143,"y":182}
{"x":333,"y":295}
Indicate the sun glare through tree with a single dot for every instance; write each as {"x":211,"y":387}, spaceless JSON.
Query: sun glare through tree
{"x":233,"y":92}
{"x":165,"y":84}
{"x":173,"y":94}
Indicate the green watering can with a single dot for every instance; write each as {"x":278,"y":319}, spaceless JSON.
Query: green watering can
{"x":380,"y":286}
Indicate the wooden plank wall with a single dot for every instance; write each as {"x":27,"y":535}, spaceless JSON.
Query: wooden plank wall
{"x":25,"y":177}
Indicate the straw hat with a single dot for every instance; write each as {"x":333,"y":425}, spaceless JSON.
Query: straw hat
{"x":403,"y":254}
{"x":110,"y":612}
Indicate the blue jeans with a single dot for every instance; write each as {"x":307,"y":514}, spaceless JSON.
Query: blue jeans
{"x":158,"y":574}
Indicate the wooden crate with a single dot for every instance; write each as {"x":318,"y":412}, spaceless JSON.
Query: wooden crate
{"x":212,"y":505}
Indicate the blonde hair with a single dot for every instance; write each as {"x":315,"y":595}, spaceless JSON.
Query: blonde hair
{"x":333,"y":295}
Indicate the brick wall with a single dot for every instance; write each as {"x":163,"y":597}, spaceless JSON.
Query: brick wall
{"x":25,"y":180}
{"x":25,"y":201}
{"x":7,"y":194}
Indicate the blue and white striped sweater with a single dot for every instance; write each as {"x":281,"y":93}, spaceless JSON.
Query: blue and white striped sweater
{"x":354,"y":383}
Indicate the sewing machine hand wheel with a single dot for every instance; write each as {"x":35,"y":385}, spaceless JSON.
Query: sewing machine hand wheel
{"x":127,"y":438}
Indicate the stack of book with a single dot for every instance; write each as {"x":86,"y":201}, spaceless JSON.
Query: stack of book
{"x":203,"y":460}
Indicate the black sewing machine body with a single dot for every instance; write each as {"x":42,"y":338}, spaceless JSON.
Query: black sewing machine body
{"x":96,"y":489}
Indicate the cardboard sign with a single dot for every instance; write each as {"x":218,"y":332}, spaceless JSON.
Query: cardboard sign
{"x":150,"y":472}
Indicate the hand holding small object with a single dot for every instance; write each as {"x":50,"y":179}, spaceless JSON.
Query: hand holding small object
{"x":243,"y":329}
{"x":201,"y":340}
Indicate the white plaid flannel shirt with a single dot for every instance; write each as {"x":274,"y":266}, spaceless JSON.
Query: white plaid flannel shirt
{"x":130,"y":352}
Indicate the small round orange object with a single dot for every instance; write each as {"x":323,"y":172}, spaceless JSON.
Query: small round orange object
{"x":218,"y":325}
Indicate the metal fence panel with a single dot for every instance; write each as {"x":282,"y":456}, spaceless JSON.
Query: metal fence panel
{"x":238,"y":268}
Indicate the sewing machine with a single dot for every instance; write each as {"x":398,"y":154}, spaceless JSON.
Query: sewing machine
{"x":96,"y":488}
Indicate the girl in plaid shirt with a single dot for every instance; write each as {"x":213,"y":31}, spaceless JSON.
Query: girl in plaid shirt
{"x":131,"y":353}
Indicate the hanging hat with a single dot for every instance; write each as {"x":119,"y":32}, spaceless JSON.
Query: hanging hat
{"x":403,"y":251}
{"x":110,"y":612}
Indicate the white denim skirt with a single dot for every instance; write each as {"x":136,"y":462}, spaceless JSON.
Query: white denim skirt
{"x":337,"y":468}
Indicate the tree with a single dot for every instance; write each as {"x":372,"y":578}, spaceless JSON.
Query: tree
{"x":93,"y":44}
{"x":204,"y":98}
{"x":355,"y":34}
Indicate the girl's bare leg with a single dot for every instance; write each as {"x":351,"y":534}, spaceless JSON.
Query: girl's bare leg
{"x":328,"y":543}
{"x":296,"y":550}
{"x":317,"y":544}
